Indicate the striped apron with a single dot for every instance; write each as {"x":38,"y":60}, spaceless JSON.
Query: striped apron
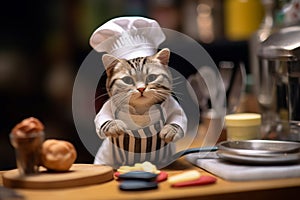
{"x":140,"y":145}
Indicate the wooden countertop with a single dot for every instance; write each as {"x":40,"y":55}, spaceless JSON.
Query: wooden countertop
{"x":222,"y":189}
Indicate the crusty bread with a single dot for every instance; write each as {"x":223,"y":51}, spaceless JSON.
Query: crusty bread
{"x":57,"y":155}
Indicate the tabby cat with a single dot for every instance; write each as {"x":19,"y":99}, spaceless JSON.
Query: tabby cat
{"x":141,"y":120}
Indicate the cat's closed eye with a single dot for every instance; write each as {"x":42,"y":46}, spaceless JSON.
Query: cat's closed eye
{"x":151,"y":78}
{"x":128,"y":80}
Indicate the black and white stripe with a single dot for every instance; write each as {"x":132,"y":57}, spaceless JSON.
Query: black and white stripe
{"x":141,"y":145}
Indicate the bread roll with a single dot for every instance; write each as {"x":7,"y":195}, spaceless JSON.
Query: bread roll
{"x":57,"y":155}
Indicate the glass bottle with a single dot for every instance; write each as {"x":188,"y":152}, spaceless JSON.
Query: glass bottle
{"x":260,"y":77}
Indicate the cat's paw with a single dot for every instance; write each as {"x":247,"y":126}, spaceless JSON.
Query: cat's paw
{"x":114,"y":128}
{"x":171,"y":133}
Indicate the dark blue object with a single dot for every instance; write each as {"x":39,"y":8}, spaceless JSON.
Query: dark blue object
{"x":134,"y":185}
{"x":138,"y":175}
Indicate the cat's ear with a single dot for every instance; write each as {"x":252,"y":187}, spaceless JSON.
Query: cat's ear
{"x":163,"y":56}
{"x":109,"y":61}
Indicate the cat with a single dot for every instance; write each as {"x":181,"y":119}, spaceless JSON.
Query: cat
{"x":141,"y":121}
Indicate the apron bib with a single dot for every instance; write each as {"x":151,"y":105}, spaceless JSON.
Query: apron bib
{"x":140,"y":145}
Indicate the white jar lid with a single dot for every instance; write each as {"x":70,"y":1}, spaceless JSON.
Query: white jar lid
{"x":243,"y":119}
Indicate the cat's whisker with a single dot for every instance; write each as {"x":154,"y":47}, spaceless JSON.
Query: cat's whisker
{"x":120,"y":98}
{"x":102,"y":95}
{"x":160,"y":96}
{"x":176,"y":78}
{"x":158,"y":99}
{"x":177,"y":95}
{"x":162,"y":93}
{"x":177,"y":83}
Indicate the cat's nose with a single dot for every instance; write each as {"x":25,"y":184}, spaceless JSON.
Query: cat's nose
{"x":141,"y":90}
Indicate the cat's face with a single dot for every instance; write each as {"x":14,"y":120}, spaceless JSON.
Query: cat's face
{"x":141,"y":81}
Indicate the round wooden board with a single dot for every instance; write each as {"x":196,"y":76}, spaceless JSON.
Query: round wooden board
{"x":78,"y":175}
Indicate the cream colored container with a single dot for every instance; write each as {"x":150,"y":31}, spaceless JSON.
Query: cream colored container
{"x":243,"y":126}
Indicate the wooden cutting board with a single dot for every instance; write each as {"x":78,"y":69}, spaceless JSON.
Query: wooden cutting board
{"x":78,"y":175}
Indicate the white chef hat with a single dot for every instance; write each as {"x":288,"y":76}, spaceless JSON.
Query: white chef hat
{"x":128,"y":37}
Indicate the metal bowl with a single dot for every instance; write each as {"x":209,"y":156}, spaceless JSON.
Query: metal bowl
{"x":259,"y":151}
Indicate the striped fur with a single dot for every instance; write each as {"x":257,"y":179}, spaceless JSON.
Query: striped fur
{"x":140,"y":82}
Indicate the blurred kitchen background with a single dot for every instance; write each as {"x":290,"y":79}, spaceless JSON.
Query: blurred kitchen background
{"x":43,"y":43}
